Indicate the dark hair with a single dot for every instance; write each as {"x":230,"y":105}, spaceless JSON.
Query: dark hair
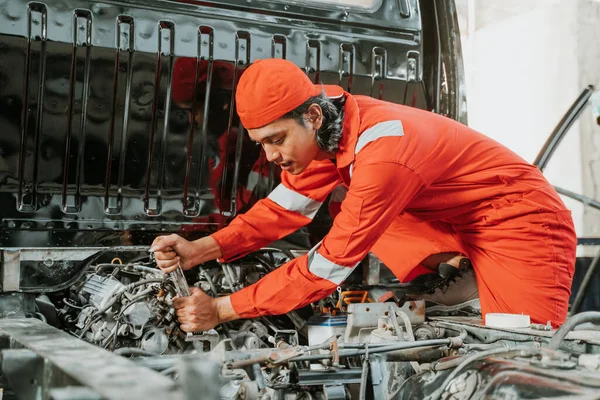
{"x":330,"y":133}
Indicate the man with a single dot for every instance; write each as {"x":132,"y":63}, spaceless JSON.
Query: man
{"x":422,"y":189}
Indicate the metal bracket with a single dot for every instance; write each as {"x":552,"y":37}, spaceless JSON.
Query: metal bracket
{"x":11,"y":270}
{"x":54,"y":359}
{"x":25,"y":373}
{"x":363,"y":317}
{"x":16,"y":258}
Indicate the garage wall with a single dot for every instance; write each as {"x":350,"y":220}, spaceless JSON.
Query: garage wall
{"x":526,"y":61}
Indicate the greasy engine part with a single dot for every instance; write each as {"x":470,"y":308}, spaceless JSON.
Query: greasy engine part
{"x":126,"y":306}
{"x":380,"y":350}
{"x":123,"y":303}
{"x":525,"y":373}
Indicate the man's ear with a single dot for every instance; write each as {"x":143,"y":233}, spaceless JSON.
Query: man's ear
{"x":315,"y":114}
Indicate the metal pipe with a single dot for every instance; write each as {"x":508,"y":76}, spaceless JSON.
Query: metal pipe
{"x":570,"y":324}
{"x":562,"y":128}
{"x":409,"y":332}
{"x":364,"y":376}
{"x":462,"y":331}
{"x":418,"y":355}
{"x":585,"y":200}
{"x":452,"y":342}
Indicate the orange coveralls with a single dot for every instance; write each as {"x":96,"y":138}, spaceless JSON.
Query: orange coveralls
{"x":418,"y":184}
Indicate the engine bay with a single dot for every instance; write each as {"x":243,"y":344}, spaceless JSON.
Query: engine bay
{"x":346,"y":346}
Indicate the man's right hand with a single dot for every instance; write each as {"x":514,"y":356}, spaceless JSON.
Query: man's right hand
{"x":172,"y":250}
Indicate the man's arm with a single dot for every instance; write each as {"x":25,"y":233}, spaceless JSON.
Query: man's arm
{"x":379,"y":192}
{"x":290,"y":206}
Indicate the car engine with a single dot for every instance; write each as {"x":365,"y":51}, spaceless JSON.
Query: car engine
{"x":346,"y":346}
{"x":128,"y":306}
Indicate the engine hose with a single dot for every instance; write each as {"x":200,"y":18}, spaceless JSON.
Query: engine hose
{"x":41,"y":317}
{"x":100,"y":267}
{"x":140,"y":296}
{"x":113,"y":343}
{"x":465,"y":361}
{"x":452,"y":342}
{"x":150,"y":270}
{"x":409,"y":331}
{"x":89,"y":325}
{"x":463,"y":332}
{"x":570,"y":324}
{"x":68,"y":303}
{"x":364,"y":376}
{"x":127,"y":288}
{"x":133,"y":351}
{"x":112,"y":335}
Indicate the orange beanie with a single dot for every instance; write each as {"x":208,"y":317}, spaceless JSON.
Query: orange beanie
{"x":271,"y":88}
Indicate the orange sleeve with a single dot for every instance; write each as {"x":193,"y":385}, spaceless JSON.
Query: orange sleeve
{"x":378,"y":193}
{"x":290,"y":206}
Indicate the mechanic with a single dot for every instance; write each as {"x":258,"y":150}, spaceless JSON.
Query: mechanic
{"x":421,"y":189}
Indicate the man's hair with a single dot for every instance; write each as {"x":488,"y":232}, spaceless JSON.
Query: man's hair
{"x":330,"y":133}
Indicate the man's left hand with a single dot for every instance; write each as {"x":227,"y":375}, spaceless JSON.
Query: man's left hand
{"x":198,"y":312}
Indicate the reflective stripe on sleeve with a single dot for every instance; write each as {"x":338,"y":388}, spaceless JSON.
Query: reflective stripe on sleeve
{"x":294,"y":201}
{"x":323,"y":268}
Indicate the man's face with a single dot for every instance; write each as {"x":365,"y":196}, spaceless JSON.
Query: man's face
{"x":288,"y":143}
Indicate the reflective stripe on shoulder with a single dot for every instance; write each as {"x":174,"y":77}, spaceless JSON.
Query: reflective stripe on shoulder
{"x":294,"y":201}
{"x":323,"y":268}
{"x":382,"y":129}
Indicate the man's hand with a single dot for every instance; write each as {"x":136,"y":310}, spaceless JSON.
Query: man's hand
{"x":200,"y":312}
{"x":170,"y":251}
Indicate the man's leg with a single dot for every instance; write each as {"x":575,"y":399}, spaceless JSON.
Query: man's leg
{"x":524,"y":265}
{"x":410,"y":249}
